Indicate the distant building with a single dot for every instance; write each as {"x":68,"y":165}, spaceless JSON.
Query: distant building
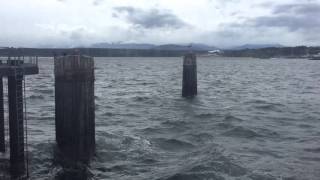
{"x":216,"y":52}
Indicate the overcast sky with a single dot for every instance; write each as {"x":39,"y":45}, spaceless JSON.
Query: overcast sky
{"x":223,"y":23}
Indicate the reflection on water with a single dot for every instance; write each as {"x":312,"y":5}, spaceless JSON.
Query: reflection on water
{"x":252,"y":119}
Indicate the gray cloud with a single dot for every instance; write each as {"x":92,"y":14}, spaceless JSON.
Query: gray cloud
{"x":294,"y":17}
{"x":97,"y":2}
{"x":289,"y":22}
{"x":77,"y":34}
{"x":153,"y":18}
{"x":298,"y":9}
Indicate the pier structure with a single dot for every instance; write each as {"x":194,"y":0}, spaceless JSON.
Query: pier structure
{"x":75,"y":107}
{"x":189,"y":80}
{"x":15,"y":69}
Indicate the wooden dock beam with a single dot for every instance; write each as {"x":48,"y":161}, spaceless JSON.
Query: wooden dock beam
{"x":189,"y":82}
{"x":74,"y":107}
{"x":2,"y":129}
{"x":16,"y":123}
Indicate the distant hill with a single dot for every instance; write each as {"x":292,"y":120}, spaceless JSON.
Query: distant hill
{"x":166,"y":47}
{"x":204,"y":47}
{"x":176,"y":47}
{"x":256,"y":46}
{"x":123,"y":46}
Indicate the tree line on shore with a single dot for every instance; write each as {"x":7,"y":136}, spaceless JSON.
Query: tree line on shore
{"x":275,"y":52}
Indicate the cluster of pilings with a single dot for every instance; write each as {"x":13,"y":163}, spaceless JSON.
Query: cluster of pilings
{"x":15,"y":70}
{"x":74,"y":103}
{"x":74,"y":106}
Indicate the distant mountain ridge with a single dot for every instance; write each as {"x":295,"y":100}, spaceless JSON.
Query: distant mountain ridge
{"x":167,"y":47}
{"x":178,"y":47}
{"x":256,"y":46}
{"x":123,"y":46}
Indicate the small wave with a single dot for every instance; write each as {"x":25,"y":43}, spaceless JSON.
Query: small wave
{"x":203,"y":136}
{"x":118,"y":167}
{"x":36,"y":97}
{"x":109,"y":114}
{"x":269,"y":107}
{"x":148,"y":160}
{"x":139,"y":83}
{"x":45,"y":91}
{"x":262,"y":177}
{"x":225,"y":125}
{"x":196,"y":176}
{"x":267,"y":133}
{"x":265,"y":105}
{"x":267,"y":153}
{"x":74,"y":173}
{"x":222,"y":165}
{"x":306,"y":126}
{"x":241,"y":132}
{"x":174,"y":123}
{"x":230,"y":118}
{"x":47,"y":118}
{"x":314,"y":159}
{"x":172,"y":144}
{"x":151,"y":130}
{"x":199,"y":138}
{"x":313,"y":150}
{"x":141,"y":98}
{"x":256,"y":101}
{"x":204,"y":115}
{"x":208,"y":164}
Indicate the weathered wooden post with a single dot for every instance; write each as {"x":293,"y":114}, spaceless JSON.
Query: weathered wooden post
{"x":189,"y":83}
{"x":74,"y":107}
{"x":2,"y":129}
{"x":16,"y":129}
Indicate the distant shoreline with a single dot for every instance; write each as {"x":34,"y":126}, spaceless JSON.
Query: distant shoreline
{"x":264,"y":53}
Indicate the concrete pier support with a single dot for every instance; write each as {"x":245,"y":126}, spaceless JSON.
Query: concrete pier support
{"x":74,"y":107}
{"x":15,"y":92}
{"x":2,"y":129}
{"x":189,"y":82}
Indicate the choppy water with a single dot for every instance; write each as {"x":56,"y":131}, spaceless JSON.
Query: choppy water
{"x":253,"y":119}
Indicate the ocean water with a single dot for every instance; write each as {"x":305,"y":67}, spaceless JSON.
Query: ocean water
{"x":252,"y":119}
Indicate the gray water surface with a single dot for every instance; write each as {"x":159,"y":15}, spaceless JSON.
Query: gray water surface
{"x":252,"y":119}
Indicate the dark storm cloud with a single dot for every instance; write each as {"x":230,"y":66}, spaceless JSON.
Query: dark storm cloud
{"x":294,"y":17}
{"x":153,"y":18}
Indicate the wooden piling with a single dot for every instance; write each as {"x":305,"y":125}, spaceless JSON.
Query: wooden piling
{"x":74,"y":107}
{"x":189,"y":82}
{"x":15,"y":69}
{"x":2,"y":128}
{"x":15,"y":92}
